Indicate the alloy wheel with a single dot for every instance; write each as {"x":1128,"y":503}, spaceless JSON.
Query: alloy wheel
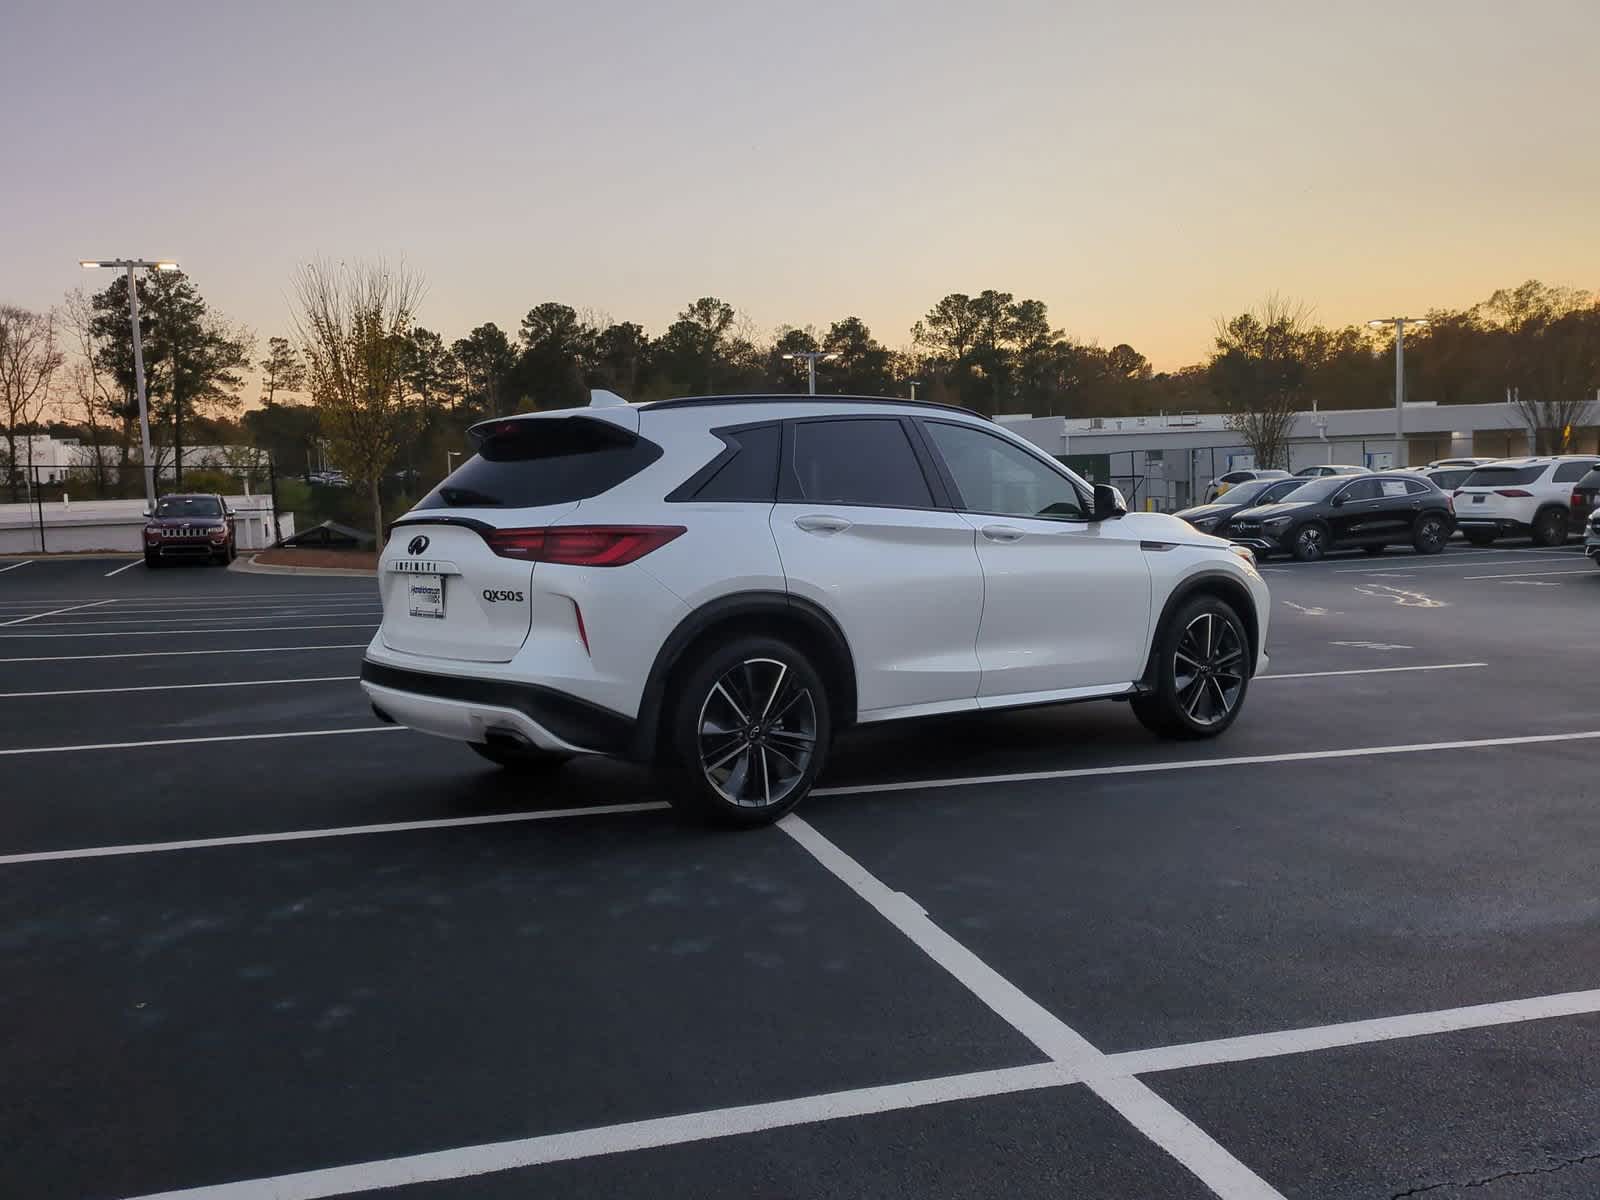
{"x":1432,"y":532}
{"x":1311,"y":542}
{"x":1208,"y":668}
{"x":757,"y":733}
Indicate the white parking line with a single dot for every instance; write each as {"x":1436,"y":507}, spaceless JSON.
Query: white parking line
{"x":1149,"y":1113}
{"x":14,"y":566}
{"x":1531,"y":574}
{"x":121,"y":569}
{"x":1369,"y":671}
{"x":1357,"y":1033}
{"x":179,"y":687}
{"x":1429,"y":566}
{"x":214,"y":600}
{"x":199,"y":741}
{"x":53,"y":612}
{"x":467,"y":1161}
{"x":306,"y":835}
{"x":183,"y":653}
{"x":175,"y":632}
{"x":1250,"y":760}
{"x":226,"y":621}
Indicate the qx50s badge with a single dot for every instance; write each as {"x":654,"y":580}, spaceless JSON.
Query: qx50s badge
{"x":492,"y":595}
{"x":417,"y":544}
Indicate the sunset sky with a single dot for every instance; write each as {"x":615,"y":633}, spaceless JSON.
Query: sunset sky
{"x":1142,"y":168}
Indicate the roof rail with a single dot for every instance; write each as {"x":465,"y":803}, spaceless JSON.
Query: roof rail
{"x":803,"y":398}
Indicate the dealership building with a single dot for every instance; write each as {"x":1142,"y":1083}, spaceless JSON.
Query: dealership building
{"x":1166,"y":461}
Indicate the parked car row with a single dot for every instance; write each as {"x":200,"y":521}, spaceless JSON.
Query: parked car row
{"x":1333,"y":507}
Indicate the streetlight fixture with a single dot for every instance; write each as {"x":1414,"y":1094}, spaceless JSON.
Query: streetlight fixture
{"x":448,"y":455}
{"x":811,"y":357}
{"x":132,"y":265}
{"x":1399,"y":324}
{"x":915,"y":384}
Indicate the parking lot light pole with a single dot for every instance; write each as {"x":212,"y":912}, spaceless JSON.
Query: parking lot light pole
{"x":1399,"y":324}
{"x":811,"y":357}
{"x":132,"y":265}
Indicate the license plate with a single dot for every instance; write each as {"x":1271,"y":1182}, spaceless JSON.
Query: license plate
{"x":425,"y":596}
{"x":1479,"y":499}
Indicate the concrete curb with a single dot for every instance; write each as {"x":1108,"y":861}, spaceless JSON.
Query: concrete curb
{"x":248,"y":565}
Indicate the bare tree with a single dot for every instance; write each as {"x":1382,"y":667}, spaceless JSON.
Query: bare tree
{"x":1258,"y":371}
{"x":352,"y":320}
{"x":29,"y":358}
{"x":94,"y":404}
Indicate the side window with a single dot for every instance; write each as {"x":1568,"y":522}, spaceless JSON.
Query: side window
{"x":993,"y":476}
{"x":1570,"y":472}
{"x":752,"y":472}
{"x":1393,"y":487}
{"x":1236,"y":477}
{"x":1362,"y":489}
{"x":865,"y":461}
{"x":1417,"y":488}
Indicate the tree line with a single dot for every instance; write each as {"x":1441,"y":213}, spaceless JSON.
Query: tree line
{"x":990,"y":351}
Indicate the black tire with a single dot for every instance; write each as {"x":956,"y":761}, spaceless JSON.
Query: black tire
{"x":522,"y":762}
{"x":1374,"y":550}
{"x":1429,"y":534}
{"x":233,"y":551}
{"x":1479,"y":537}
{"x":1175,"y":708}
{"x":1310,"y":543}
{"x":749,"y":727}
{"x":152,"y":560}
{"x":1550,"y":528}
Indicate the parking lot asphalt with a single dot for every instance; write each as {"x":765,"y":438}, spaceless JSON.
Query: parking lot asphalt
{"x":257,"y":944}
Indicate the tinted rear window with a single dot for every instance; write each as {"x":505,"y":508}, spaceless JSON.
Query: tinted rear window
{"x":1570,"y":472}
{"x":1450,"y":479}
{"x":1490,"y":477}
{"x":526,"y":464}
{"x":1591,"y":481}
{"x":867,"y":462}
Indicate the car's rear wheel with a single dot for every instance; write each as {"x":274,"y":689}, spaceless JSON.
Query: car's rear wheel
{"x":751,"y":727}
{"x":1310,"y":543}
{"x":1550,"y":528}
{"x":1479,"y":537}
{"x":522,"y":761}
{"x":1202,"y":672}
{"x":1429,"y":534}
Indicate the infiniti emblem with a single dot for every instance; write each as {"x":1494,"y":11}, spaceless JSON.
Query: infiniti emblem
{"x":417,"y":545}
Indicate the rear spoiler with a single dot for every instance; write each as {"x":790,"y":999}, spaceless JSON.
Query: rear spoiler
{"x":603,"y":406}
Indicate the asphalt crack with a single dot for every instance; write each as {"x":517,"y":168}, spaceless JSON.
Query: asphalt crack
{"x":1550,"y":1169}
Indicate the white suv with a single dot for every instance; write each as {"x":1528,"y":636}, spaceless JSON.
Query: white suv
{"x":1521,"y":497}
{"x":723,"y":584}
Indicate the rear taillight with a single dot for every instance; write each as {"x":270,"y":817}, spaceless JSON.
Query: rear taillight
{"x":1514,"y":493}
{"x":1577,"y":500}
{"x":1457,"y":492}
{"x":582,"y":545}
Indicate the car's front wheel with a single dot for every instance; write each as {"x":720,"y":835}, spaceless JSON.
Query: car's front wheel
{"x":152,"y":560}
{"x":1202,"y":672}
{"x":1310,"y":543}
{"x":750,"y":727}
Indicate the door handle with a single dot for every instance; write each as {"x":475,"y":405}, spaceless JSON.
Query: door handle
{"x":822,"y":523}
{"x":1001,"y":533}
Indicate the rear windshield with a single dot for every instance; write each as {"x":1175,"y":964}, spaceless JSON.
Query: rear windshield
{"x":1502,"y":476}
{"x":527,"y":464}
{"x":188,"y":506}
{"x":1591,"y":481}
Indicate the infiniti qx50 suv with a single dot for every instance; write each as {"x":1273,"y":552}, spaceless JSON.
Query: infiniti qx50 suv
{"x":721,"y":585}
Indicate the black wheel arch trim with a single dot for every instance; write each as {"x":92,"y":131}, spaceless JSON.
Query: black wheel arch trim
{"x":1213,"y":582}
{"x":646,"y":745}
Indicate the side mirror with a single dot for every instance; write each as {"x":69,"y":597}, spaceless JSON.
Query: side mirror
{"x":1108,"y":503}
{"x":228,"y":512}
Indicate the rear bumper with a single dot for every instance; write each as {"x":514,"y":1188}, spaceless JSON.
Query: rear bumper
{"x":469,"y":710}
{"x":1501,"y":526}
